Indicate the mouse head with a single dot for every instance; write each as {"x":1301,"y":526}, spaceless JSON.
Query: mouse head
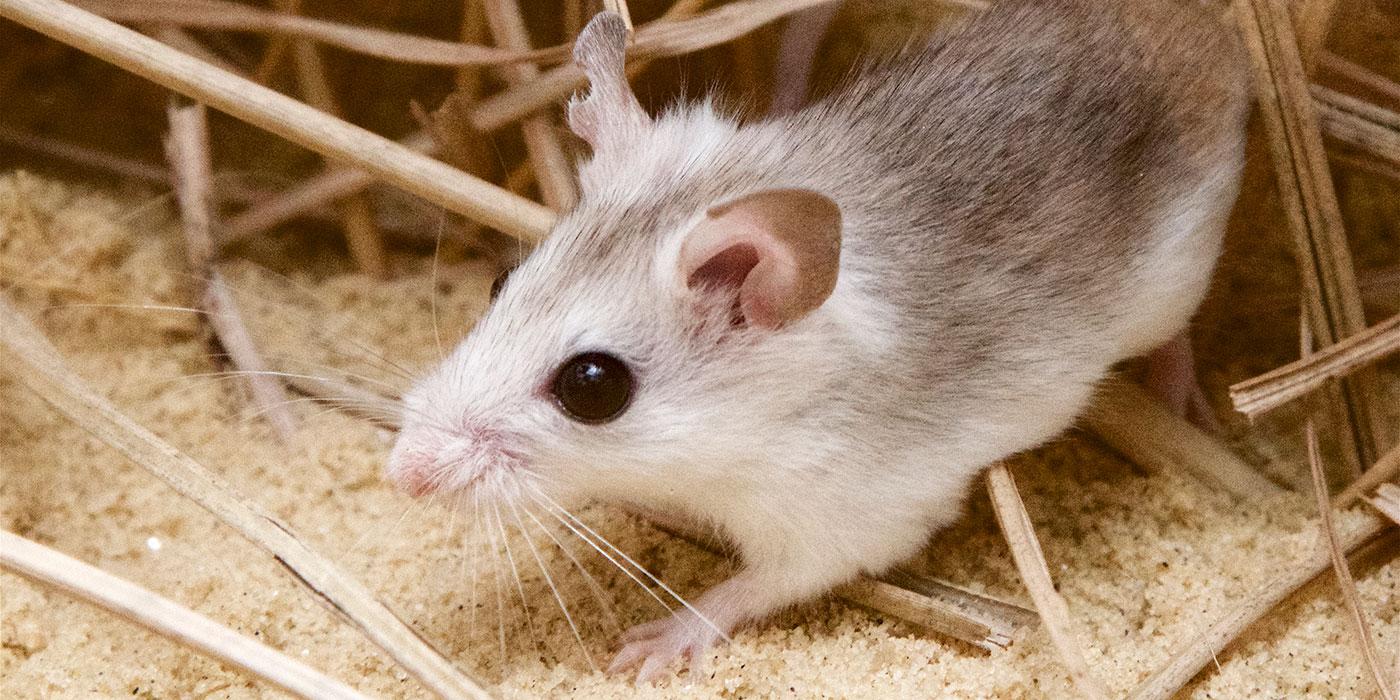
{"x":666,"y":334}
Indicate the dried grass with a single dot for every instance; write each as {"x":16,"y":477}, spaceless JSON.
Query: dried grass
{"x":188,"y":151}
{"x":1292,"y":381}
{"x":1142,"y":429}
{"x":1030,"y":561}
{"x":1305,"y":186}
{"x":1295,"y":114}
{"x":281,"y":115}
{"x":45,"y":374}
{"x":167,"y":618}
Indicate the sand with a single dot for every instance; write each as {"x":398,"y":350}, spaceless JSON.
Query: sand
{"x":1144,"y":559}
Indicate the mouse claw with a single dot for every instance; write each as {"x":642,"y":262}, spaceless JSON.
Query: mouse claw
{"x":646,"y":630}
{"x":655,"y":645}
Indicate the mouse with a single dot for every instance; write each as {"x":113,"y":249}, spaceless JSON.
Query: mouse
{"x":812,"y":332}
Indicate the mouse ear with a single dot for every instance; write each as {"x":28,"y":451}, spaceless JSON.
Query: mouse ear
{"x":780,"y":249}
{"x":610,"y":112}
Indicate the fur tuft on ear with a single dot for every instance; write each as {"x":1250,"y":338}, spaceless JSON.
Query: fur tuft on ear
{"x":610,"y":113}
{"x":780,"y":249}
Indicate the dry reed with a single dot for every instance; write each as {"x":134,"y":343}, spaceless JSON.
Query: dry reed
{"x":1295,"y":114}
{"x":1361,"y":628}
{"x":1020,"y":536}
{"x":44,"y":372}
{"x":284,"y":116}
{"x":356,"y":212}
{"x":1294,"y":380}
{"x":552,"y":166}
{"x":1366,"y":127}
{"x":1305,"y":186}
{"x":187,"y":148}
{"x":166,"y":618}
{"x":1146,"y":432}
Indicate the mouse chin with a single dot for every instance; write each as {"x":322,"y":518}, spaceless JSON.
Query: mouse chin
{"x":423,"y":464}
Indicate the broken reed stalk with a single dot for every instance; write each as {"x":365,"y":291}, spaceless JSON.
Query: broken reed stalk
{"x":554,"y":173}
{"x":485,"y":116}
{"x":1359,"y":124}
{"x":42,"y":369}
{"x":1387,"y":468}
{"x":982,"y":621}
{"x":1362,"y":79}
{"x":1202,"y":646}
{"x":666,"y":37}
{"x":1304,"y":376}
{"x":1310,"y":202}
{"x":1020,"y":536}
{"x":620,"y":8}
{"x":85,"y":157}
{"x":187,"y":149}
{"x":1142,"y":429}
{"x":1387,"y":501}
{"x":986,"y":623}
{"x":166,"y":618}
{"x":284,"y":116}
{"x":1361,"y":627}
{"x":356,"y":212}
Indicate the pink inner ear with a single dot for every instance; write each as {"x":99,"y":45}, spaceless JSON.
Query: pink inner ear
{"x":726,"y":269}
{"x":725,"y":272}
{"x":780,"y":249}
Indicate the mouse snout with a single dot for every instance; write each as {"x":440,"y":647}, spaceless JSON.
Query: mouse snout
{"x":426,"y":461}
{"x":415,"y":472}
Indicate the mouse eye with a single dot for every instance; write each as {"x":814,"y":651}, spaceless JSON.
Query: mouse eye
{"x":593,"y":387}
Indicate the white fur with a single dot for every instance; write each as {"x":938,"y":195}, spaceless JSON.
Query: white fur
{"x":1174,"y":278}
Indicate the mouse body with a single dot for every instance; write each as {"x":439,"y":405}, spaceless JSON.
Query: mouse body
{"x":812,"y":332}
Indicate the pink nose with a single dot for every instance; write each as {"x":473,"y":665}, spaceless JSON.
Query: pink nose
{"x":414,"y":473}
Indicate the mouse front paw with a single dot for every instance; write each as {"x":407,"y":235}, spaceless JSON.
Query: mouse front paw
{"x":655,"y":645}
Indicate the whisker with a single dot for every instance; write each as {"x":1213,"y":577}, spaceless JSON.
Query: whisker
{"x":432,"y":290}
{"x":520,"y":524}
{"x":604,"y":603}
{"x":334,"y":343}
{"x":304,"y":317}
{"x":497,"y":575}
{"x":609,"y":557}
{"x":640,"y":568}
{"x":471,"y":561}
{"x":355,"y":546}
{"x":391,"y":391}
{"x":519,"y":584}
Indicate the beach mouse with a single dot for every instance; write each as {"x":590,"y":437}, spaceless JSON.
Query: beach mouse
{"x":812,"y":332}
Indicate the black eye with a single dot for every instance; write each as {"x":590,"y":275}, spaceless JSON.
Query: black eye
{"x":498,"y":283}
{"x":593,"y":387}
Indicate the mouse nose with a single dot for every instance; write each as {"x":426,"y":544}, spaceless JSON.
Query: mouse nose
{"x":414,"y":472}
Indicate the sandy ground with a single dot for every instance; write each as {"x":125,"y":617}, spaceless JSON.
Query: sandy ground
{"x":1145,"y":560}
